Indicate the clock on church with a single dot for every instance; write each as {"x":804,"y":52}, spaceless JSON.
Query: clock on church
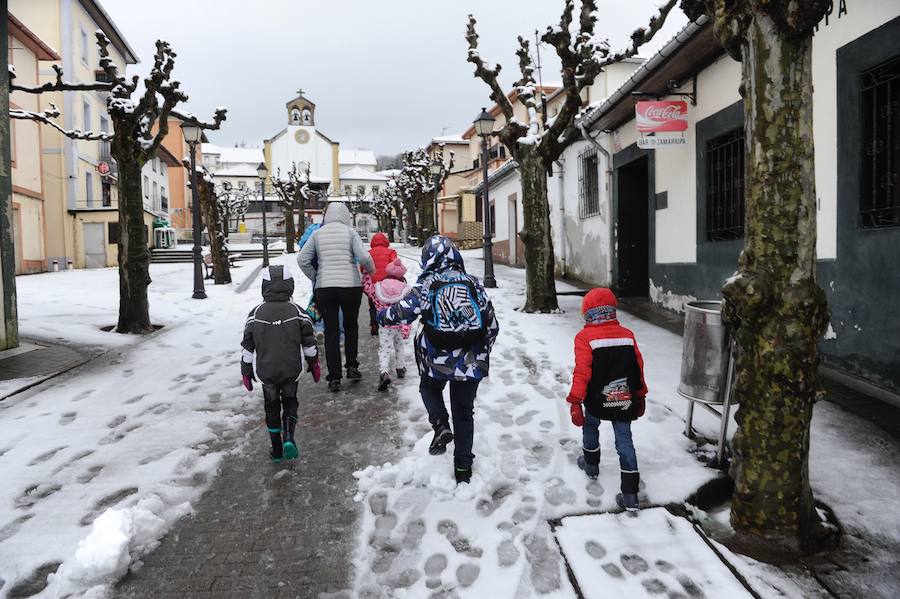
{"x":302,"y":136}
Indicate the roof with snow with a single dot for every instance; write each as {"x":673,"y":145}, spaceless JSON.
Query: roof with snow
{"x":236,"y":170}
{"x":365,"y":157}
{"x":358,"y":173}
{"x":691,"y":48}
{"x":506,"y":169}
{"x":105,"y":23}
{"x":251,"y":156}
{"x":389,"y":172}
{"x":449,"y":139}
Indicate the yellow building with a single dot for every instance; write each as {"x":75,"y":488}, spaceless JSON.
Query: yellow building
{"x":27,"y":52}
{"x":80,"y":203}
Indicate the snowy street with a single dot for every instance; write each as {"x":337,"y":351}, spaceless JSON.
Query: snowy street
{"x":101,"y":462}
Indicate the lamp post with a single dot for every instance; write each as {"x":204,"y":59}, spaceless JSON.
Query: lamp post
{"x":263,"y":172}
{"x":437,"y":169}
{"x":484,"y":126}
{"x":192,"y":136}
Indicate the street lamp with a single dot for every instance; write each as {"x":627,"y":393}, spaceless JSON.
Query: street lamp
{"x":484,"y":126}
{"x":192,"y":136}
{"x":263,"y":172}
{"x":437,"y":169}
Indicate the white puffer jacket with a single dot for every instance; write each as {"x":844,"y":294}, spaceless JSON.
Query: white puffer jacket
{"x":336,"y":250}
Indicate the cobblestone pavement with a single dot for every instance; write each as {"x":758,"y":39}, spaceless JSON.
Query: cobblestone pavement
{"x":281,"y":531}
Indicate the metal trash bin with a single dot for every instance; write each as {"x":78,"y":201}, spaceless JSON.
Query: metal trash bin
{"x":707,"y":366}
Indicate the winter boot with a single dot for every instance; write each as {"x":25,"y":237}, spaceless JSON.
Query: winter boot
{"x":442,"y":436}
{"x":353,"y":374}
{"x":383,"y":381}
{"x":334,"y":385}
{"x":463,"y":474}
{"x":374,"y":329}
{"x":401,"y":373}
{"x":277,"y":453}
{"x":590,"y":462}
{"x":290,"y":447}
{"x":628,"y":499}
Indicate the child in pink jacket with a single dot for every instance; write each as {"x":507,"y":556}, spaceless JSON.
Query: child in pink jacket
{"x":392,"y":340}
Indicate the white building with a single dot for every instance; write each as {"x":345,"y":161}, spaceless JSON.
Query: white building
{"x":236,"y":166}
{"x":155,"y":183}
{"x":668,"y":224}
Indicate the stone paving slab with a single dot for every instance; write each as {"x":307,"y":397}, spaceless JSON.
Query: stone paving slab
{"x":288,"y":530}
{"x":34,"y":362}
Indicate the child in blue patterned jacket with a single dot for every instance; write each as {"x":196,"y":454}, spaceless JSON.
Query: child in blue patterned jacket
{"x":453,"y":345}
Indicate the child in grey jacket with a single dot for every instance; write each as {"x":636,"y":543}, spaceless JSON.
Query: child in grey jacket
{"x":279,"y":335}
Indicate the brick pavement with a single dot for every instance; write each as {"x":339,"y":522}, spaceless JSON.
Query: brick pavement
{"x":285,"y":531}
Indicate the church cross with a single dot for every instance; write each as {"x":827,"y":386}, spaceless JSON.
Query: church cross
{"x":300,"y":92}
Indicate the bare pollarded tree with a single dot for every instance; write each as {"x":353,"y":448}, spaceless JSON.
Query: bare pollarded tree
{"x":537,"y":144}
{"x":414,"y":187}
{"x":776,"y":307}
{"x":139,"y":126}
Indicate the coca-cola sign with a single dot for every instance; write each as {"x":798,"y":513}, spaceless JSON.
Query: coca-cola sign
{"x":659,"y":117}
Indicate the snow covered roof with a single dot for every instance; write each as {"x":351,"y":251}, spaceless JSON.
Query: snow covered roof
{"x":449,"y":139}
{"x":509,"y":167}
{"x":252,"y":156}
{"x":389,"y":172}
{"x":358,"y":173}
{"x":104,"y":22}
{"x":366,"y":157}
{"x":236,"y":170}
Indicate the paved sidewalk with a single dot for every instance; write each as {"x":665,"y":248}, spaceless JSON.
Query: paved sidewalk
{"x":285,"y":531}
{"x":34,"y":362}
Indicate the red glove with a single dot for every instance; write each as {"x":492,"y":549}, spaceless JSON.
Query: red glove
{"x":248,"y":384}
{"x":576,"y":411}
{"x":315,"y":370}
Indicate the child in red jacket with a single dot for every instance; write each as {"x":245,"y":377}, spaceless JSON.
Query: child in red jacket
{"x":382,"y":254}
{"x":609,"y":382}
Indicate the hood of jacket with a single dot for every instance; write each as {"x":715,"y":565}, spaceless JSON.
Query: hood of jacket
{"x":391,"y":291}
{"x":440,"y":254}
{"x":337,"y":212}
{"x":599,"y":306}
{"x":277,"y":284}
{"x":379,"y":240}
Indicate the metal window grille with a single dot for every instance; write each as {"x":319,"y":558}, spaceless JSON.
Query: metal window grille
{"x":588,"y":184}
{"x":879,"y":199}
{"x":725,"y":187}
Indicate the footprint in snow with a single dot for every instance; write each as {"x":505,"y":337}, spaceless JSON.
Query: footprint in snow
{"x":486,"y":507}
{"x":595,"y":549}
{"x":545,"y":563}
{"x":67,"y":418}
{"x":467,"y":574}
{"x":118,"y":420}
{"x":45,"y":456}
{"x":435,"y":564}
{"x":415,"y":530}
{"x":385,"y":554}
{"x":128,"y":373}
{"x":378,"y":503}
{"x":135,"y":399}
{"x":105,"y":502}
{"x":557,"y":493}
{"x":527,"y":417}
{"x":613,"y":570}
{"x":82,"y":395}
{"x":90,"y":474}
{"x":74,"y":459}
{"x":507,"y":553}
{"x":633,"y":563}
{"x":13,"y":526}
{"x":35,"y":493}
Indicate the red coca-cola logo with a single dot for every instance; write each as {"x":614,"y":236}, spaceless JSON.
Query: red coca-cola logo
{"x":657,"y":117}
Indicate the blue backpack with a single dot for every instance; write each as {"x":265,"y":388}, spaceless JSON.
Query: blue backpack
{"x":454,"y":319}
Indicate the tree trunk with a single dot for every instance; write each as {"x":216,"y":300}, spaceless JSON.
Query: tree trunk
{"x":134,"y":256}
{"x":412,"y":227}
{"x":426,"y":216}
{"x":215,"y":229}
{"x":540,"y":288}
{"x":775,"y":306}
{"x":300,"y":229}
{"x":289,"y":234}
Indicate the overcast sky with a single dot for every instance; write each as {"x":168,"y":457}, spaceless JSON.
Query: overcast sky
{"x":386,"y":75}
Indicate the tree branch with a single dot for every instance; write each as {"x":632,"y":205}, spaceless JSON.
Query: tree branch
{"x":60,"y":86}
{"x":488,"y":75}
{"x":46,"y":117}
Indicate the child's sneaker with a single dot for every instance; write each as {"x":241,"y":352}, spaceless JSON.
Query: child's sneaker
{"x":401,"y":373}
{"x":592,"y":470}
{"x":383,"y":381}
{"x":290,"y":450}
{"x":463,"y":475}
{"x":628,"y":502}
{"x":353,"y":374}
{"x":442,"y":436}
{"x":334,"y":386}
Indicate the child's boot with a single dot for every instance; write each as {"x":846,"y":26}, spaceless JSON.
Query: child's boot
{"x":589,"y":461}
{"x":442,"y":436}
{"x":277,"y":453}
{"x":290,"y":450}
{"x":628,"y":499}
{"x":383,"y":381}
{"x":463,"y":473}
{"x":401,"y":373}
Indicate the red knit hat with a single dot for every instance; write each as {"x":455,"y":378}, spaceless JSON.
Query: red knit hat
{"x":601,"y":296}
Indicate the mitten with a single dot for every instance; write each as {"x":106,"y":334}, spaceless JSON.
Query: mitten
{"x":576,"y":411}
{"x":315,"y":370}
{"x":248,"y":384}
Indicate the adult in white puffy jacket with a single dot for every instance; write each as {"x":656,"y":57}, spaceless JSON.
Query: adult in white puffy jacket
{"x":331,"y":259}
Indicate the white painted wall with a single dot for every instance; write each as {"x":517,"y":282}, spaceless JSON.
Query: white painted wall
{"x":862,"y":16}
{"x":499,"y":194}
{"x":154,"y":171}
{"x":316,"y":152}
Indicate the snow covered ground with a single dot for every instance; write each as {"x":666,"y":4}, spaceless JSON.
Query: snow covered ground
{"x":98,"y":463}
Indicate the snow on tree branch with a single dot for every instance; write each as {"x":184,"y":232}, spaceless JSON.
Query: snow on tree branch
{"x":46,"y":117}
{"x":58,"y":85}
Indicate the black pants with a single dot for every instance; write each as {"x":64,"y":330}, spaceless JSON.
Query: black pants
{"x":373,"y":314}
{"x":331,"y":302}
{"x":281,"y":406}
{"x":462,"y":404}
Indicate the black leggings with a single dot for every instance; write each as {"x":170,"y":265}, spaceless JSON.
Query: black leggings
{"x":332,"y":301}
